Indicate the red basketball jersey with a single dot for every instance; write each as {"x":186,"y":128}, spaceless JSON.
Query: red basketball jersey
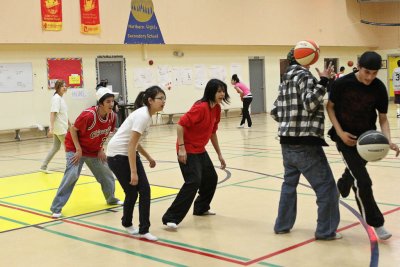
{"x":92,"y":132}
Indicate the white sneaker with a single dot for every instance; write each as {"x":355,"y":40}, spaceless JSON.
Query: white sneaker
{"x":56,"y":215}
{"x":240,"y":126}
{"x":132,"y":230}
{"x":172,"y":225}
{"x":120,"y":202}
{"x":247,"y":127}
{"x":46,"y":171}
{"x":149,"y":236}
{"x":382,"y":233}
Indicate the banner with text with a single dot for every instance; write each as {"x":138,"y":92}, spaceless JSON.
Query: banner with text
{"x":51,"y":15}
{"x":143,"y":26}
{"x":90,"y":18}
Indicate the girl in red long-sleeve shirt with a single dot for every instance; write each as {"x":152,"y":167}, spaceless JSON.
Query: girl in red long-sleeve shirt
{"x":194,"y":130}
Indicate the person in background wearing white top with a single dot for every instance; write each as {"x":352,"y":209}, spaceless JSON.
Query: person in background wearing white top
{"x":59,"y":122}
{"x":246,"y":97}
{"x":124,"y":160}
{"x":396,"y":87}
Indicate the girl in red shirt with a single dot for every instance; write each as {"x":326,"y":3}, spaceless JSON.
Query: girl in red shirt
{"x":194,"y":130}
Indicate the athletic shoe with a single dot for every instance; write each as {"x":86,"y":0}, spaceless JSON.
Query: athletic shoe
{"x":247,"y":127}
{"x":398,"y":115}
{"x":382,"y":233}
{"x":240,"y":126}
{"x":149,"y":236}
{"x":208,"y":212}
{"x":344,"y":186}
{"x":56,"y":215}
{"x":282,"y":232}
{"x":171,"y":225}
{"x":46,"y":171}
{"x":330,"y":238}
{"x":132,"y":230}
{"x":118,"y":202}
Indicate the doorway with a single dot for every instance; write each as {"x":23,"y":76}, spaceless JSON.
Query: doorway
{"x":257,"y":84}
{"x":113,"y":69}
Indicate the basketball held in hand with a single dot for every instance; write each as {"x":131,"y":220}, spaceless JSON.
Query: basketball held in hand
{"x":306,"y":52}
{"x":372,"y":146}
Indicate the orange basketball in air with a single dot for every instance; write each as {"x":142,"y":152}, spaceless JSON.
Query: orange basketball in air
{"x":306,"y":52}
{"x":350,"y":63}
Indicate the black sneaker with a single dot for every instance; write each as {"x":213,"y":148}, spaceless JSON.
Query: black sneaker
{"x":344,"y":186}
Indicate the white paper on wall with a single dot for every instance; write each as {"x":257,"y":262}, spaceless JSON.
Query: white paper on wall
{"x":78,"y":93}
{"x":200,"y":74}
{"x":164,"y":76}
{"x":187,"y":76}
{"x":143,"y":77}
{"x":16,"y":77}
{"x":176,"y":76}
{"x":217,"y":72}
{"x":236,"y":68}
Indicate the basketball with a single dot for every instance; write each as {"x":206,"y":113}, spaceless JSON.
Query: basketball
{"x":372,"y":145}
{"x":306,"y":52}
{"x":350,"y":63}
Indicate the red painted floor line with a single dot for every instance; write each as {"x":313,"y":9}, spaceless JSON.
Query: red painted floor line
{"x":159,"y":243}
{"x":311,"y":240}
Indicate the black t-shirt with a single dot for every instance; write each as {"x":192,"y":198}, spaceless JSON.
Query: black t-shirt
{"x":356,"y":104}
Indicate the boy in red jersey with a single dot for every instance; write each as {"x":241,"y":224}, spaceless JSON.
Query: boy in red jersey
{"x":84,"y":144}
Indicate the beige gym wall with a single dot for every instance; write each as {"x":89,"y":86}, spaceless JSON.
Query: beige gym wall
{"x":220,"y":33}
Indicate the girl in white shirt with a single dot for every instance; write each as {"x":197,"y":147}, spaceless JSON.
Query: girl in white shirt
{"x":59,"y":122}
{"x":124,"y":160}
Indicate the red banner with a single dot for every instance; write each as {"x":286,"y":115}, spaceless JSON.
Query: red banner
{"x":51,"y":15}
{"x":90,"y":18}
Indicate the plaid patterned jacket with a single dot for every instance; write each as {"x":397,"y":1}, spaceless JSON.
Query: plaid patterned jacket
{"x":299,"y":108}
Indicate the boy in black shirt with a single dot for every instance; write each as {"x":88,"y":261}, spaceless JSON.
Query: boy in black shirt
{"x":352,"y":108}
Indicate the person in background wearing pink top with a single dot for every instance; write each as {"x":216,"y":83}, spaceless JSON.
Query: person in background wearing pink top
{"x":246,"y":97}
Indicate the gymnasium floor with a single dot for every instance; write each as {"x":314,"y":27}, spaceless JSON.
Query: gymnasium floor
{"x":241,"y":234}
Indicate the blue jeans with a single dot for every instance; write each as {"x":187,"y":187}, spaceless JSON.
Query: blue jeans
{"x":100,"y":171}
{"x":312,"y":163}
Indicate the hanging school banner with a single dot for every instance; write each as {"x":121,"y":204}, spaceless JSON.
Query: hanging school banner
{"x":51,"y":15}
{"x":143,"y":26}
{"x":90,"y":18}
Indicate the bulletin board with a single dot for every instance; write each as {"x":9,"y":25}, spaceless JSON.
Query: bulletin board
{"x":67,"y":69}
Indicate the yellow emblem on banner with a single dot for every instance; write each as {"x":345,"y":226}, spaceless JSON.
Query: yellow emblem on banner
{"x":142,"y":10}
{"x":74,"y":79}
{"x":89,"y":5}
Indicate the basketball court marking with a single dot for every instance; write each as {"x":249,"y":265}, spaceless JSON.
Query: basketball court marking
{"x":34,"y":190}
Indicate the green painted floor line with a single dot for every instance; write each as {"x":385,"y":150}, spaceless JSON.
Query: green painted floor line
{"x":167,"y":241}
{"x":115,"y":248}
{"x":306,"y":194}
{"x":215,"y":252}
{"x":45,"y":190}
{"x":269,"y":264}
{"x":14,"y":221}
{"x":25,"y":207}
{"x":269,"y":189}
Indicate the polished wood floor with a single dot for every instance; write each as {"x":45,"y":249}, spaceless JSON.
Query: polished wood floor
{"x":241,"y":234}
